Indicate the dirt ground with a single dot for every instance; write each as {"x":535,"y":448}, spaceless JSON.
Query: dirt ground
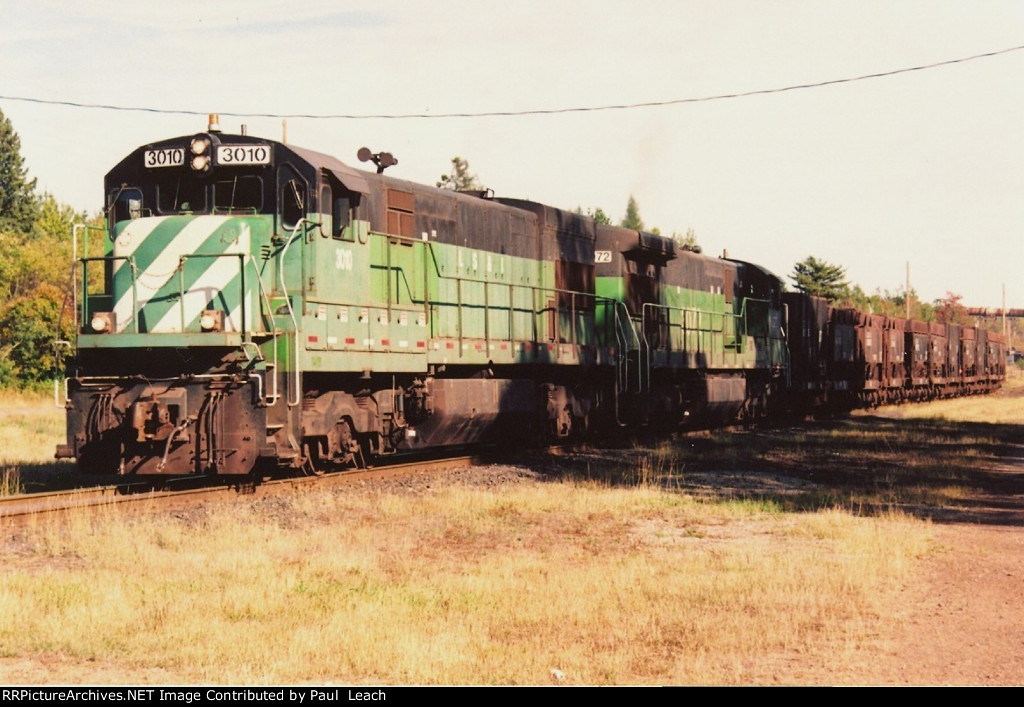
{"x":959,"y":619}
{"x":958,"y":622}
{"x":961,"y":622}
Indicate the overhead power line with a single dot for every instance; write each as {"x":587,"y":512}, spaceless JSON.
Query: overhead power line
{"x":550,"y":111}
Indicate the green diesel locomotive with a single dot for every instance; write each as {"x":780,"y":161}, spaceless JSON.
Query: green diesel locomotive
{"x":261,"y":305}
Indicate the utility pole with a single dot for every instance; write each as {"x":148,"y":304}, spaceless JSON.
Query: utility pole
{"x":907,"y":298}
{"x":1004,"y":311}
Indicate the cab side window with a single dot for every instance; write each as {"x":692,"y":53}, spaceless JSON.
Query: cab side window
{"x":342,"y":217}
{"x":125,"y":204}
{"x":341,"y":205}
{"x":291,"y":198}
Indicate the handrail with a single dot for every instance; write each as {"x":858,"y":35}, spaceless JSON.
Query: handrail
{"x":621,"y":320}
{"x":75,"y":230}
{"x":711,"y":329}
{"x":701,"y":313}
{"x":620,"y":328}
{"x":56,"y":378}
{"x":273,"y":326}
{"x":430,"y":258}
{"x":130,"y":259}
{"x":213,"y":256}
{"x":297,"y":363}
{"x":740,"y":334}
{"x":246,"y":331}
{"x":539,"y":288}
{"x":513,"y":287}
{"x":480,"y":281}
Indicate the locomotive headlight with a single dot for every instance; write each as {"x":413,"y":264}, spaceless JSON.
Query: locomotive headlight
{"x":200,"y":146}
{"x":201,"y":163}
{"x":211,"y":320}
{"x":102,"y":322}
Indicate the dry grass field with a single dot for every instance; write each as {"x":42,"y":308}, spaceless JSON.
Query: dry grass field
{"x":795,"y":556}
{"x":31,"y":426}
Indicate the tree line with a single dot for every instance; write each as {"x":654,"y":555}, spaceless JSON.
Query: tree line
{"x":35,"y":270}
{"x":460,"y":178}
{"x":814,"y":276}
{"x":632,"y":219}
{"x":821,"y":278}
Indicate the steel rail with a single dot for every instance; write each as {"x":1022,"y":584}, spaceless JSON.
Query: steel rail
{"x":20,"y":507}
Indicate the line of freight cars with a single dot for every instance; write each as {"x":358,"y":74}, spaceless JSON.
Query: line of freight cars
{"x":844,"y":358}
{"x":257,"y":304}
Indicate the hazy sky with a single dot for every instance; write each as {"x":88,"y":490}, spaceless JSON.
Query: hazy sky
{"x":926,"y":166}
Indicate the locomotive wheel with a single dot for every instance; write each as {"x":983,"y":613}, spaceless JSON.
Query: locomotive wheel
{"x":568,"y":422}
{"x":313,"y":464}
{"x":345,"y":449}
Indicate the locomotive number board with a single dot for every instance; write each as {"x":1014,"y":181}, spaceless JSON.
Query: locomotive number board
{"x":243,"y":154}
{"x":169,"y":157}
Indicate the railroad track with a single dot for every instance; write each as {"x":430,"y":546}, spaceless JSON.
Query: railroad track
{"x":22,"y":507}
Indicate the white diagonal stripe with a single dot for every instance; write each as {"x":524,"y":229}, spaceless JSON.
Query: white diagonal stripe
{"x":133,"y":235}
{"x":164,"y":266}
{"x":206,"y":288}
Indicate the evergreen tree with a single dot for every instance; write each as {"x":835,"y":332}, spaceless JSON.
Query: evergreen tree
{"x":632,"y":218}
{"x":820,"y":278}
{"x":687,"y":242}
{"x":600,"y":217}
{"x":19,"y":205}
{"x":460,"y":178}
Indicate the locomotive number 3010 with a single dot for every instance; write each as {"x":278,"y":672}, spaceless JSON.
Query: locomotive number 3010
{"x":243,"y":154}
{"x":172,"y":157}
